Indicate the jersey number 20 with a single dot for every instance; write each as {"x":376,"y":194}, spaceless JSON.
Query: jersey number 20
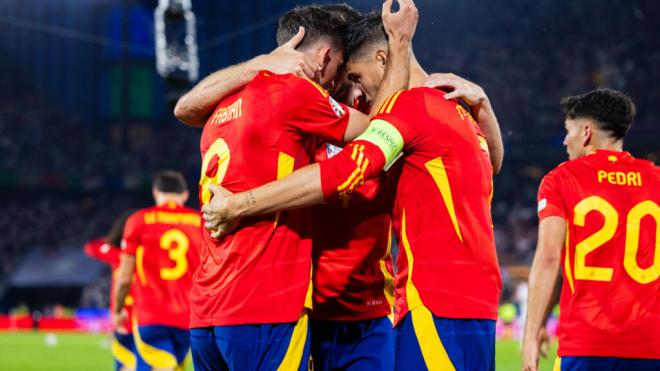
{"x":602,"y":236}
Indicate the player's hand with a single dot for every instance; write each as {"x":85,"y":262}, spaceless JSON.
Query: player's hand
{"x":543,"y":339}
{"x":217,"y":214}
{"x":530,"y":355}
{"x":400,"y":26}
{"x":458,"y":87}
{"x":119,"y":320}
{"x":286,"y":59}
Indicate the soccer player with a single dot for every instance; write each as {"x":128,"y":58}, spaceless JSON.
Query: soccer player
{"x":599,"y":221}
{"x":160,"y":247}
{"x":252,"y":289}
{"x":448,"y":282}
{"x":107,"y":250}
{"x":352,"y":267}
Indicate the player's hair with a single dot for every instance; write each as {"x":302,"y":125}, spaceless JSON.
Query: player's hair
{"x":346,"y":13}
{"x":117,"y":230}
{"x":364,"y":33}
{"x":612,"y":110}
{"x":170,"y":181}
{"x":319,"y":23}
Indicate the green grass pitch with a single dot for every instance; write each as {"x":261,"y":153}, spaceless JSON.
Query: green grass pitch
{"x":28,"y":351}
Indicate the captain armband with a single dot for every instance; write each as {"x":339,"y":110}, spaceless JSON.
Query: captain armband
{"x":386,"y":137}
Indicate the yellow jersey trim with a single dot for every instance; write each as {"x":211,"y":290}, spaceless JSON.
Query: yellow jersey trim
{"x":412,"y":295}
{"x":437,"y":169}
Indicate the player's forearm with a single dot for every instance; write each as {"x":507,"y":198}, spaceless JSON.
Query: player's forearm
{"x":397,"y":73}
{"x":122,"y":289}
{"x":491,"y":128}
{"x":195,"y":107}
{"x":542,"y":281}
{"x":300,"y":189}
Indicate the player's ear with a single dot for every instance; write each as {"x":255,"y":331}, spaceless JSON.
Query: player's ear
{"x":587,"y":133}
{"x":381,"y":57}
{"x":185,"y":196}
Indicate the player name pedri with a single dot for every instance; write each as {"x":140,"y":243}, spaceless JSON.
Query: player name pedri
{"x":631,"y":178}
{"x":231,"y":112}
{"x":164,"y":217}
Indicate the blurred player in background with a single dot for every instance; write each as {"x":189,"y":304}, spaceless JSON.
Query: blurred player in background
{"x":108,"y":250}
{"x":599,"y":219}
{"x":444,"y":313}
{"x":227,"y":296}
{"x":160,"y":247}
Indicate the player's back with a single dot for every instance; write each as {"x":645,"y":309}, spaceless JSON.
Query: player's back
{"x":610,"y":302}
{"x":442,"y":208}
{"x":166,"y":241}
{"x":260,"y":273}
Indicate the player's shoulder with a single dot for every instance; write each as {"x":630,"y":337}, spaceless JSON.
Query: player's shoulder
{"x":421,"y":100}
{"x":138,"y":216}
{"x":558,"y":172}
{"x":295,"y":84}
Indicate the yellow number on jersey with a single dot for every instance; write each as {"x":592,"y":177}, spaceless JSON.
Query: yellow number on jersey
{"x":602,"y":236}
{"x":596,"y":240}
{"x":641,"y":275}
{"x":176,"y":243}
{"x":220,"y":149}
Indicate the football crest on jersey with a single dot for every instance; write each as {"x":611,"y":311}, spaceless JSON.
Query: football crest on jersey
{"x":336,"y":107}
{"x":332,"y":150}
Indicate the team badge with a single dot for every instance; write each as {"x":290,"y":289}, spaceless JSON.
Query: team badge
{"x":336,"y":107}
{"x":332,"y":150}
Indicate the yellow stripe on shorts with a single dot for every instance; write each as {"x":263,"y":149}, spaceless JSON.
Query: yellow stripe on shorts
{"x":123,"y":355}
{"x":557,"y":366}
{"x":154,"y":357}
{"x":294,"y":353}
{"x":434,"y":353}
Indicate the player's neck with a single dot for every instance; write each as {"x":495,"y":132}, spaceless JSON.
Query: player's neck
{"x":615,"y":146}
{"x":166,"y":201}
{"x":417,"y":74}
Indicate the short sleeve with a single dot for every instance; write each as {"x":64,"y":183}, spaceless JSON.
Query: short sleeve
{"x":132,"y":231}
{"x":549,"y":198}
{"x":316,"y":112}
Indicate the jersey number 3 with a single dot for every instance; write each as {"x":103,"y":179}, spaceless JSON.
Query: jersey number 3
{"x":176,"y":243}
{"x":602,"y":236}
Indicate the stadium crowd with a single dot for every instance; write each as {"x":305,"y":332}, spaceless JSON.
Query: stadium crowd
{"x":82,"y":174}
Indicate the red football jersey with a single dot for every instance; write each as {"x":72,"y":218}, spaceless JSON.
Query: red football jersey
{"x":261,"y":272}
{"x":165,"y":242}
{"x":447,"y":260}
{"x":104,"y":252}
{"x":610,"y":299}
{"x":352,"y":266}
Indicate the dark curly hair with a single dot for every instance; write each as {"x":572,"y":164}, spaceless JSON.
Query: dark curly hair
{"x":612,"y":110}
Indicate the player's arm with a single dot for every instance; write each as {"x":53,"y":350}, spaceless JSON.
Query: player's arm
{"x":542,"y":282}
{"x":377,"y":148}
{"x":482,"y":110}
{"x":400,"y":28}
{"x":195,"y":107}
{"x":100,"y":250}
{"x":123,"y":284}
